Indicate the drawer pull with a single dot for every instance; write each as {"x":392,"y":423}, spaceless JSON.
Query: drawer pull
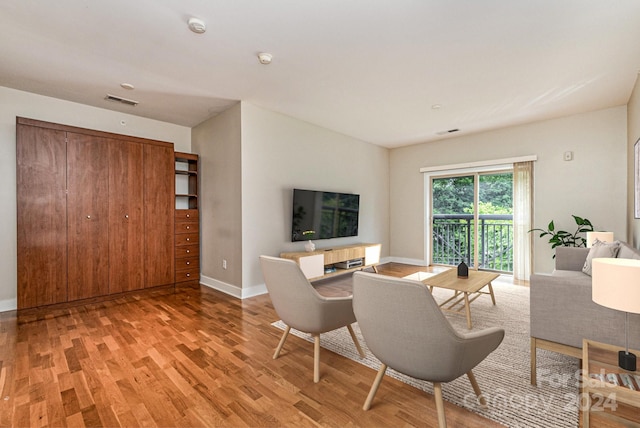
{"x":188,"y":215}
{"x":188,"y":275}
{"x":188,"y":251}
{"x":188,"y":227}
{"x":188,"y":263}
{"x":89,"y":217}
{"x":188,"y":239}
{"x":126,"y":216}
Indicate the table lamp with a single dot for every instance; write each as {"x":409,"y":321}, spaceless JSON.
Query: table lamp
{"x":616,"y":285}
{"x":600,"y":236}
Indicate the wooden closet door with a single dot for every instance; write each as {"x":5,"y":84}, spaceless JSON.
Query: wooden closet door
{"x":159,"y":203}
{"x":88,"y":215}
{"x":126,"y":245}
{"x":42,"y":216}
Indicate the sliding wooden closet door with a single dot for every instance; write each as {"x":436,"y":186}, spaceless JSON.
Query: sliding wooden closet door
{"x":126,"y":244}
{"x":88,"y":216}
{"x":42,"y":216}
{"x":159,"y":207}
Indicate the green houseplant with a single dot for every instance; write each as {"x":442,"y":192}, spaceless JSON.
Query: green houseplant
{"x":562,"y":238}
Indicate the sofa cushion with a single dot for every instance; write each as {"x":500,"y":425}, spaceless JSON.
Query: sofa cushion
{"x":600,"y":249}
{"x":628,"y":252}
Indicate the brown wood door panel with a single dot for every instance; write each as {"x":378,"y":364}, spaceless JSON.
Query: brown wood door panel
{"x":41,"y":216}
{"x":88,"y":216}
{"x":126,"y":227}
{"x":159,"y":212}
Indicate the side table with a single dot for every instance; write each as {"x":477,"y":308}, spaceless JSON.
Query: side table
{"x":610,"y":395}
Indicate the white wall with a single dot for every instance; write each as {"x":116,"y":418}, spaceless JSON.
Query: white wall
{"x":280,"y":153}
{"x":633,"y":132}
{"x":593,"y":185}
{"x":17,"y":103}
{"x":218,"y":142}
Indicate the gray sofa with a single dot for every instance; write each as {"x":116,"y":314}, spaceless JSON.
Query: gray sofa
{"x":562,"y":313}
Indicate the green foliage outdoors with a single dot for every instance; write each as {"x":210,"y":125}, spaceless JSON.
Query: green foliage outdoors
{"x":454,"y":195}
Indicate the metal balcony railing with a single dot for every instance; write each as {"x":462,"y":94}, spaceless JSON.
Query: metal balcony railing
{"x":453,"y":240}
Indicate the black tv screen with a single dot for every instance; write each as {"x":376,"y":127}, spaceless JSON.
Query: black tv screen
{"x":324,"y":215}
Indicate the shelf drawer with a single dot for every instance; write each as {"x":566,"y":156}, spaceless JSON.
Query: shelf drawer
{"x":188,"y":263}
{"x":192,"y":250}
{"x":190,"y":274}
{"x":187,"y":227}
{"x":187,"y":215}
{"x":187,"y":238}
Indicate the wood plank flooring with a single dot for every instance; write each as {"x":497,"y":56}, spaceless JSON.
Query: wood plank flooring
{"x":190,"y":357}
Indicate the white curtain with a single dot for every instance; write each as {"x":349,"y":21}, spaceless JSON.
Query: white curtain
{"x":522,"y":214}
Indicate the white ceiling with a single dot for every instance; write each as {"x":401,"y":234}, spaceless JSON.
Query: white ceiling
{"x":371,"y":69}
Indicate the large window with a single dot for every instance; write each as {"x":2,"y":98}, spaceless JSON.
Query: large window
{"x":472,"y":220}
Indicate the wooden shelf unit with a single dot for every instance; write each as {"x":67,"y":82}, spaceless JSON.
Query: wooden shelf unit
{"x":608,"y":401}
{"x":186,"y":180}
{"x":314,"y":263}
{"x":187,"y":220}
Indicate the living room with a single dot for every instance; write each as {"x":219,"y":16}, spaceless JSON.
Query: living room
{"x":252,"y":157}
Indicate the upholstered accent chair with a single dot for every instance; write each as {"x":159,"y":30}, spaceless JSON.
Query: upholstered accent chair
{"x":405,"y":329}
{"x":301,"y":307}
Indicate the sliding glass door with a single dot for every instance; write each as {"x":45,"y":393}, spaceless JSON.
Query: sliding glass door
{"x":472,"y":220}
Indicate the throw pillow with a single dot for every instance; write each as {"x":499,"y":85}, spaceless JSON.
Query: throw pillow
{"x":598,"y":250}
{"x":628,"y":252}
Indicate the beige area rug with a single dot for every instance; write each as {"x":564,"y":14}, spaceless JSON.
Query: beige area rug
{"x":504,"y":375}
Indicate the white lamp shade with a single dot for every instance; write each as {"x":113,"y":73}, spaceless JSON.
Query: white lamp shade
{"x":600,"y":236}
{"x":616,"y":284}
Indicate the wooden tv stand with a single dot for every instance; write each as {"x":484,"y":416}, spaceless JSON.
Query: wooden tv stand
{"x":314,"y":263}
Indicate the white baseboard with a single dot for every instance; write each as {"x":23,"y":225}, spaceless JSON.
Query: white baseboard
{"x":8,"y":305}
{"x":233,"y":290}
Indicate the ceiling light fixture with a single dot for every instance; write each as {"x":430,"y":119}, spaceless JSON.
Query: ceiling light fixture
{"x":128,"y":86}
{"x":197,"y":25}
{"x":265,"y":58}
{"x":436,"y":106}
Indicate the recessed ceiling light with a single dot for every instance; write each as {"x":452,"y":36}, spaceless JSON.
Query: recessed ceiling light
{"x":436,"y":106}
{"x":265,"y":58}
{"x":197,"y":25}
{"x":127,"y":86}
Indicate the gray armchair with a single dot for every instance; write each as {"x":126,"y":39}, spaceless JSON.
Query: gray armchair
{"x":300,"y":306}
{"x":405,"y":329}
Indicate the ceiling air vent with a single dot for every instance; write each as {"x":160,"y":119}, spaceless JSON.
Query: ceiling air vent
{"x":450,"y":131}
{"x":121,"y":100}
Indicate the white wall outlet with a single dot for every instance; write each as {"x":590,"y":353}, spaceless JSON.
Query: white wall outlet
{"x":224,"y":264}
{"x":568,"y":156}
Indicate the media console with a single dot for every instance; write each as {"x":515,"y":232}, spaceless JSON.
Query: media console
{"x":335,"y":260}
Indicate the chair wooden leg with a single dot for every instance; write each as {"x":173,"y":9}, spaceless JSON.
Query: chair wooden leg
{"x":476,"y":389}
{"x":437,"y":393}
{"x":316,"y":358}
{"x":355,"y":341}
{"x":374,"y":387}
{"x":281,"y":344}
{"x":534,"y":374}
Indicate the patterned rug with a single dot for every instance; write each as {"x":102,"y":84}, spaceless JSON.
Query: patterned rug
{"x":504,"y":375}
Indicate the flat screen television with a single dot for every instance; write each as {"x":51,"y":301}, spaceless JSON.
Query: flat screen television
{"x":324,"y":215}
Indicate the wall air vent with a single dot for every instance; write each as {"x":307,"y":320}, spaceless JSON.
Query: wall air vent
{"x":117,"y":99}
{"x":450,"y":131}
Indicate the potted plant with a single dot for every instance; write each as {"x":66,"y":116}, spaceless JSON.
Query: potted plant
{"x":562,"y":238}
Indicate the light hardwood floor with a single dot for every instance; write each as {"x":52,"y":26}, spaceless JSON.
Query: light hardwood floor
{"x":193,"y":357}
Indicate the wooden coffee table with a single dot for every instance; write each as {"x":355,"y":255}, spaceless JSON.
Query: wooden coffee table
{"x":466,"y":290}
